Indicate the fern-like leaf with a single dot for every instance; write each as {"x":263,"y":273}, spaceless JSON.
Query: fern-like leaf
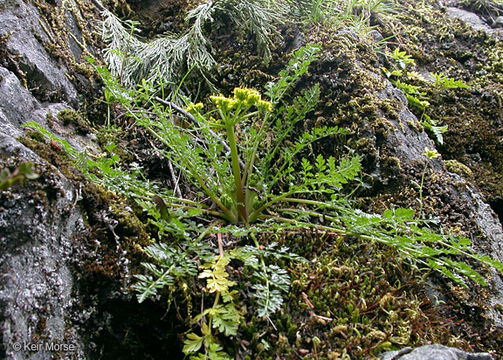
{"x":168,"y":264}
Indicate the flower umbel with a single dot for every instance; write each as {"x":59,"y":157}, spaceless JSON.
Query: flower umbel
{"x":223,"y":103}
{"x":431,"y":154}
{"x":251,"y":97}
{"x":194,"y":108}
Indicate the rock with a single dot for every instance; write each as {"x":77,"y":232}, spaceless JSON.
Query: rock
{"x":407,"y":145}
{"x":433,"y":352}
{"x":473,"y":21}
{"x":15,"y":102}
{"x":36,"y":286}
{"x":24,"y":24}
{"x":498,"y":22}
{"x":18,"y":106}
{"x":376,"y":36}
{"x":47,"y":310}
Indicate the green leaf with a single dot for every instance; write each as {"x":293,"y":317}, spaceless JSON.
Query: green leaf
{"x":192,"y":343}
{"x":226,"y":318}
{"x":490,"y":262}
{"x":405,"y":214}
{"x":466,"y":271}
{"x":443,"y":270}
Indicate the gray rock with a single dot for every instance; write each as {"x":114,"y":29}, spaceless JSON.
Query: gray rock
{"x":433,"y":352}
{"x":473,"y":21}
{"x":24,"y":24}
{"x":36,"y":281}
{"x":16,"y":103}
{"x":39,"y":308}
{"x":498,"y":22}
{"x":408,"y":146}
{"x":376,"y":36}
{"x":18,"y":106}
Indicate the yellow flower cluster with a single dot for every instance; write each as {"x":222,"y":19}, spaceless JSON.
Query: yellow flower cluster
{"x":249,"y":97}
{"x":223,"y":103}
{"x":242,"y":97}
{"x":264,"y":105}
{"x":194,"y":108}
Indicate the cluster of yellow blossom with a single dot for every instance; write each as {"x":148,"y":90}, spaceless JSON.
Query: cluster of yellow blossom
{"x":194,"y":108}
{"x":243,"y":97}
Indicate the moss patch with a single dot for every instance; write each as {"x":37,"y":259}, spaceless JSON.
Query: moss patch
{"x":70,"y":117}
{"x":474,"y":116}
{"x":352,"y":299}
{"x":455,"y":166}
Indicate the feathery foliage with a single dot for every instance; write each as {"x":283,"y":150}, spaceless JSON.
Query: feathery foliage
{"x":415,"y":95}
{"x":170,"y":56}
{"x":338,"y":14}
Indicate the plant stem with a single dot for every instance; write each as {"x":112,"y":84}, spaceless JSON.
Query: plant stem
{"x":236,"y":172}
{"x":251,"y":161}
{"x":215,"y":303}
{"x":226,"y":212}
{"x":191,"y":117}
{"x":421,"y":192}
{"x":256,"y":213}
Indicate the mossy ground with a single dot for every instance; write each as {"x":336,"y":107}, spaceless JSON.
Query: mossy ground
{"x":474,"y":116}
{"x":349,"y":300}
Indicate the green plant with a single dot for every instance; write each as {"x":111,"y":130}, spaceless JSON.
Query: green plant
{"x":415,"y":96}
{"x":252,"y":175}
{"x":131,"y":59}
{"x":402,"y":58}
{"x":313,"y":11}
{"x":240,"y":195}
{"x":224,"y":316}
{"x":433,"y":125}
{"x":443,"y":81}
{"x":23,"y":171}
{"x":354,"y":14}
{"x":254,"y":196}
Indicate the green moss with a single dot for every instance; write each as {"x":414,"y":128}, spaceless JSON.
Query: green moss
{"x":35,"y":135}
{"x":109,"y":219}
{"x":70,"y":117}
{"x":456,"y":167}
{"x":391,"y":165}
{"x":50,"y":120}
{"x":494,"y":65}
{"x":382,"y":125}
{"x":355,"y":298}
{"x":367,"y":148}
{"x":416,"y":125}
